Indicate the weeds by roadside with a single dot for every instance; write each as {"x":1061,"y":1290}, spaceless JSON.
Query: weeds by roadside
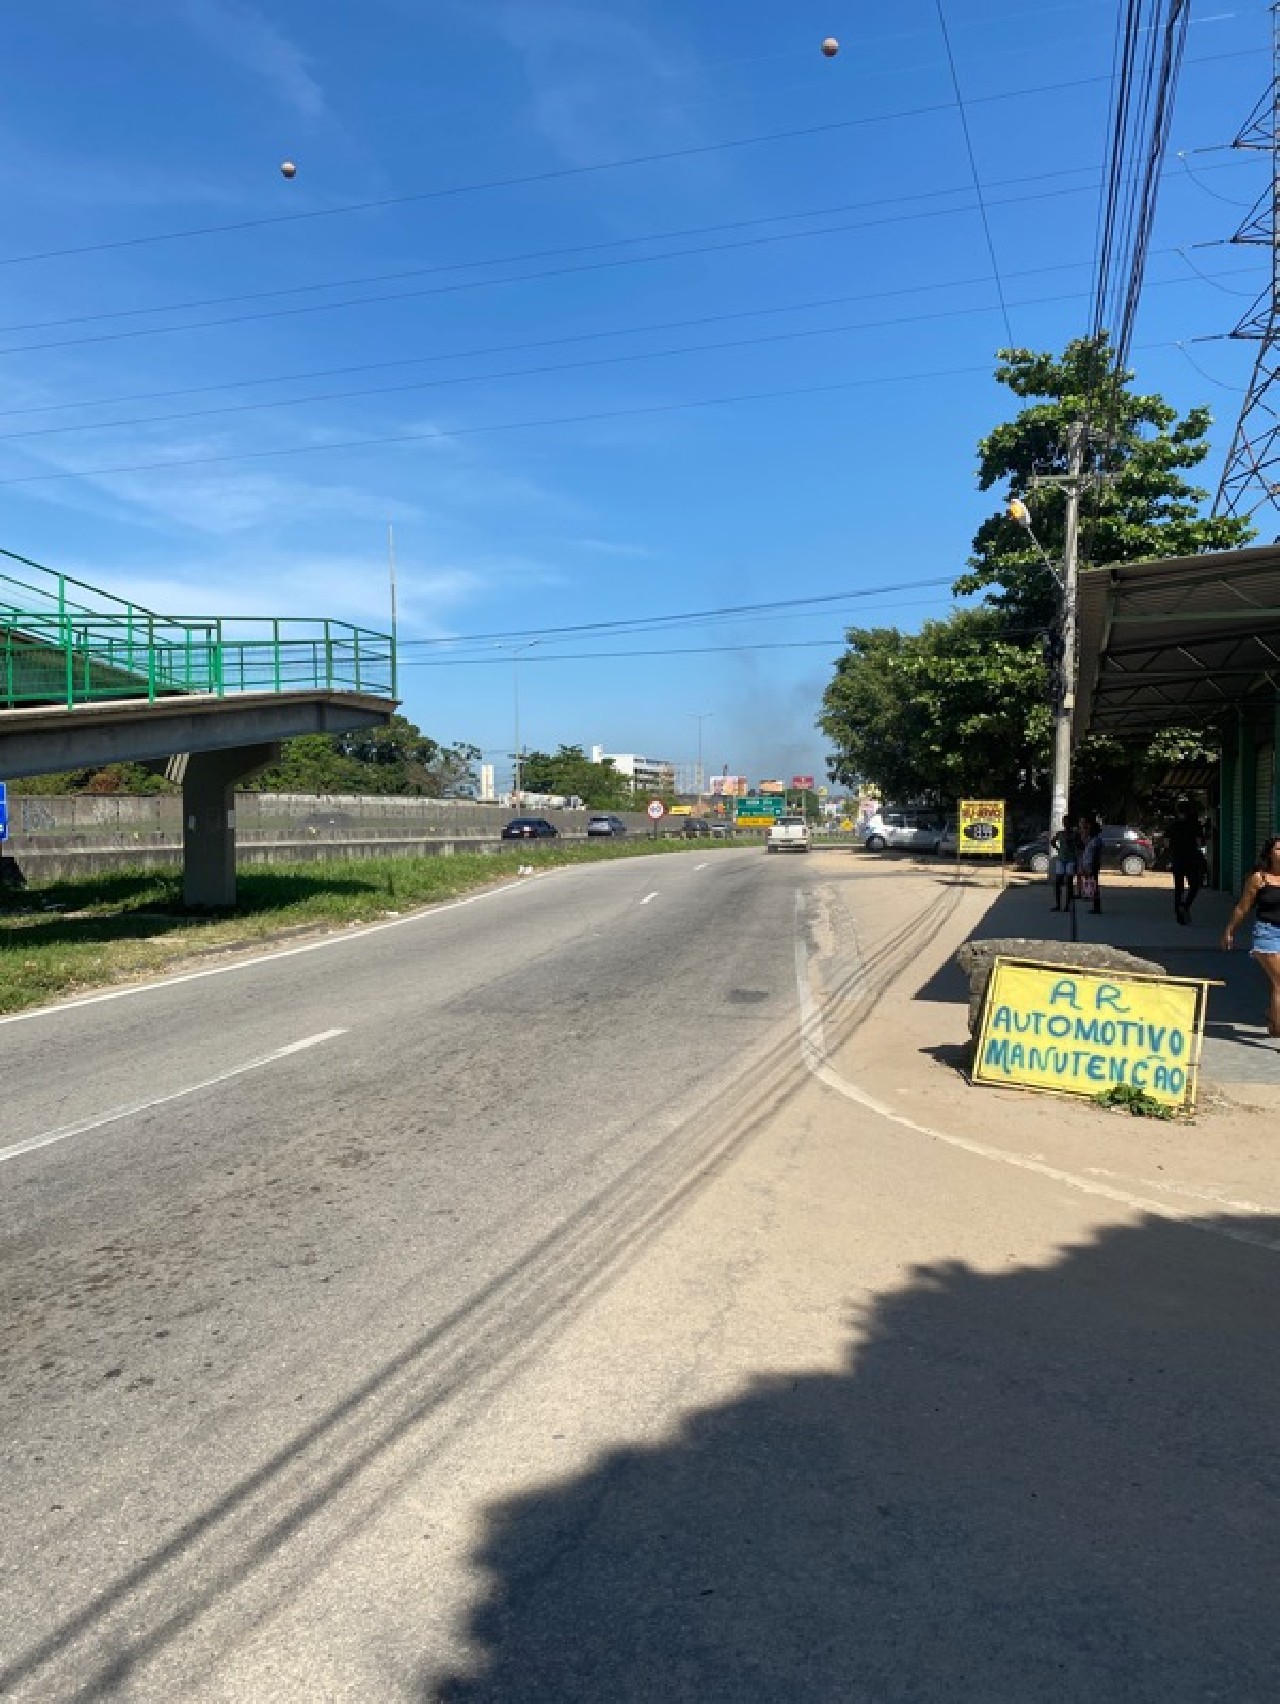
{"x":59,"y":938}
{"x":1123,"y":1097}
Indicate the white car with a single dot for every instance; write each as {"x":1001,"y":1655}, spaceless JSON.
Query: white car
{"x":788,"y":834}
{"x":911,"y":828}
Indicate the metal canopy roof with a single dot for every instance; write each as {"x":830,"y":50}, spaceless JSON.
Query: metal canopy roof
{"x":1178,"y":641}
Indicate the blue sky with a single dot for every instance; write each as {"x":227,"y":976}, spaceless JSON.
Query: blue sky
{"x":554,"y":468}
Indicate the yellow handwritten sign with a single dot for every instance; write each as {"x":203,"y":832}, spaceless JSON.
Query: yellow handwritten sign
{"x":1082,"y":1032}
{"x":982,"y":826}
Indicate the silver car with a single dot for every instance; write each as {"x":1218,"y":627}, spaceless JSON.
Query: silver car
{"x":914,"y":828}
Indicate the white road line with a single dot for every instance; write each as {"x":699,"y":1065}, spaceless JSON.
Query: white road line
{"x":649,"y":896}
{"x":814,"y":1052}
{"x":85,"y":1125}
{"x":698,"y":867}
{"x":353,"y":933}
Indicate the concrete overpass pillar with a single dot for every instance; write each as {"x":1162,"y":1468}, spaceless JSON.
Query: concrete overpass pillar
{"x":209,"y":780}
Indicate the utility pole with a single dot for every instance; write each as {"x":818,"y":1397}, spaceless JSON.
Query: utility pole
{"x":1064,"y":699}
{"x":700,"y":716}
{"x":517,"y":651}
{"x":391,"y":570}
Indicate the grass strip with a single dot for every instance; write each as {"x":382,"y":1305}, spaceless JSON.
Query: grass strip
{"x":66,"y":937}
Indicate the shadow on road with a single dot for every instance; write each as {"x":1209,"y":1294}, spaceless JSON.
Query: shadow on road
{"x":1054,"y":1483}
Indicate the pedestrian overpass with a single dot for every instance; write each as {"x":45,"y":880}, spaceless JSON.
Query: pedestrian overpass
{"x":87,"y":679}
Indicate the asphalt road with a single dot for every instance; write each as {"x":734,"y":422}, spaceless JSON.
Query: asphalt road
{"x":235,"y":1276}
{"x":491,"y":1306}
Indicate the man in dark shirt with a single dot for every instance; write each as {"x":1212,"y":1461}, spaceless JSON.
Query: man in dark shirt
{"x":1186,"y":859}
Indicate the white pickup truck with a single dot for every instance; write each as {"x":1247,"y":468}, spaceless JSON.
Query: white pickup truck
{"x":788,"y":834}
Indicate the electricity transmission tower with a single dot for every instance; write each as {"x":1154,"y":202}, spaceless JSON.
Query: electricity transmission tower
{"x":1251,"y":476}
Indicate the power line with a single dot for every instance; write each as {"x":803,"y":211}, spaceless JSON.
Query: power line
{"x":973,"y":168}
{"x":593,"y":417}
{"x":576,"y":338}
{"x":1145,"y":75}
{"x":561,"y":173}
{"x":586,"y":364}
{"x":1240,"y":390}
{"x":719,"y":611}
{"x":466,"y":285}
{"x":978,"y":647}
{"x":776,"y":619}
{"x":592,"y":363}
{"x":678,"y":234}
{"x":532,"y":254}
{"x":589,"y":656}
{"x":1210,"y":277}
{"x":534,"y":343}
{"x":470,"y":284}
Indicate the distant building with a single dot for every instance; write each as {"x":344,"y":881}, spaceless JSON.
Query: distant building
{"x":645,"y":774}
{"x":487,"y":793}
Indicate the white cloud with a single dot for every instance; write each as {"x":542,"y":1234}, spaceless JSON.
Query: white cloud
{"x":246,"y":37}
{"x":595,"y":76}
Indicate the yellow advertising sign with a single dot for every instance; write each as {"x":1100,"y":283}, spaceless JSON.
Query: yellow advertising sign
{"x":1082,"y":1032}
{"x":982,"y":826}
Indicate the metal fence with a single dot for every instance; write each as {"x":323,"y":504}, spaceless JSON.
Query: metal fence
{"x":58,"y":647}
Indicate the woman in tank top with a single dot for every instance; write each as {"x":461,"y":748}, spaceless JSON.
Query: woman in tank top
{"x":1261,"y":895}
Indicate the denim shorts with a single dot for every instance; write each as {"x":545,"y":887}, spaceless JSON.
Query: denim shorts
{"x":1266,"y":938}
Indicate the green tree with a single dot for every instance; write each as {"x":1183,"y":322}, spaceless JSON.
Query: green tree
{"x":113,"y":778}
{"x":569,"y":771}
{"x":398,"y":758}
{"x":963,"y":706}
{"x":1142,"y":505}
{"x":956,"y":710}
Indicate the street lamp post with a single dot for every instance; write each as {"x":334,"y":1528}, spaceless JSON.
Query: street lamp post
{"x":700,"y":716}
{"x":517,"y":652}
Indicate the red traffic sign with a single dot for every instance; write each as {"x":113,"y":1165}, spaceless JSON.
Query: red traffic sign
{"x":802,"y":783}
{"x":656,"y":809}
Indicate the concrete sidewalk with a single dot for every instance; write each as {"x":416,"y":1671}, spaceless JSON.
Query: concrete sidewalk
{"x":1137,"y":916}
{"x":896,"y":1022}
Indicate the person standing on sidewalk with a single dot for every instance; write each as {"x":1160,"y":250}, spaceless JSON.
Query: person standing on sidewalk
{"x":1186,"y":859}
{"x":1261,"y":895}
{"x":1091,"y":862}
{"x":1066,"y":853}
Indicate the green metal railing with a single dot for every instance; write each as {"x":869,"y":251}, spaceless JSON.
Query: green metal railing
{"x":63,"y":641}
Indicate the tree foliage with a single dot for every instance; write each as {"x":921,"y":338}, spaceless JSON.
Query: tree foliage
{"x":1141,"y":505}
{"x":398,"y":758}
{"x":962,"y":707}
{"x":956,"y":710}
{"x":570,"y":772}
{"x":112,"y":778}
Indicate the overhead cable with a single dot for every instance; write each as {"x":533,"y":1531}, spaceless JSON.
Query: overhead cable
{"x":561,"y":173}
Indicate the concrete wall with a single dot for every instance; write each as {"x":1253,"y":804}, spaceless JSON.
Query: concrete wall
{"x":59,"y":836}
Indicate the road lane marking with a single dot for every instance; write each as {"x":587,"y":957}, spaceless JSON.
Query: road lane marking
{"x":649,"y":896}
{"x":86,"y":1124}
{"x":813,"y":1049}
{"x":337,"y":938}
{"x":352,"y":932}
{"x":698,"y":867}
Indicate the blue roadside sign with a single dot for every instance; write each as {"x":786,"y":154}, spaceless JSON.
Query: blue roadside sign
{"x":4,"y":812}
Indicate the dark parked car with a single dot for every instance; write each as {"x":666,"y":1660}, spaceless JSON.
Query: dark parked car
{"x":602,"y":825}
{"x":1129,"y":850}
{"x":529,"y":828}
{"x":696,"y":828}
